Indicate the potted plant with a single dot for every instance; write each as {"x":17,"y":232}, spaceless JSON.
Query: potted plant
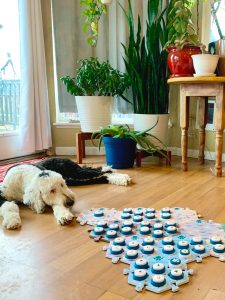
{"x":93,"y":10}
{"x":146,"y":64}
{"x":183,"y":41}
{"x":94,"y":87}
{"x":120,"y":144}
{"x":205,"y":64}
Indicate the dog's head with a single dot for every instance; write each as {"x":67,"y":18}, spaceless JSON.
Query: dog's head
{"x":54,"y":190}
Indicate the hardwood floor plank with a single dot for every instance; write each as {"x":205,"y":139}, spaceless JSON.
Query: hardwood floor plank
{"x":215,"y":295}
{"x":111,"y":296}
{"x":43,"y":260}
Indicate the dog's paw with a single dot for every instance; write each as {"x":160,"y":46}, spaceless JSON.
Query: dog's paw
{"x":38,"y":207}
{"x":119,"y":179}
{"x":12,"y":222}
{"x":107,"y":169}
{"x":65,"y":218}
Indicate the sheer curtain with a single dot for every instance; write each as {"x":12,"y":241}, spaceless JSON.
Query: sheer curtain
{"x":35,"y":129}
{"x":71,"y":46}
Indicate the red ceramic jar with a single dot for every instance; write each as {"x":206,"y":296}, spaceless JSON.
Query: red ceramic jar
{"x":180,"y":61}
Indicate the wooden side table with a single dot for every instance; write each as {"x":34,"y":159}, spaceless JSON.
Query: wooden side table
{"x":202,"y":87}
{"x":81,"y":137}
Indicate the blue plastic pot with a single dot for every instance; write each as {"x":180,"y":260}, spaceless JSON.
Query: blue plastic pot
{"x":120,"y":153}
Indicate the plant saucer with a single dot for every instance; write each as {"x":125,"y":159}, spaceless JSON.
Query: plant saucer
{"x":205,"y":75}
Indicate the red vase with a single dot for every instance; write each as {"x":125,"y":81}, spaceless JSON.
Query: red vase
{"x":180,"y":61}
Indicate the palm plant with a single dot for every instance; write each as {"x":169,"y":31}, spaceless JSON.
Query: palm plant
{"x":146,"y":61}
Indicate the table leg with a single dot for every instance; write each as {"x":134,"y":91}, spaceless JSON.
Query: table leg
{"x":79,"y":147}
{"x":83,"y":148}
{"x":219,"y":124}
{"x":203,"y":111}
{"x":184,"y":123}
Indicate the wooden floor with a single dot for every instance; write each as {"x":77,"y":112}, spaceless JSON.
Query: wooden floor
{"x":46,"y":261}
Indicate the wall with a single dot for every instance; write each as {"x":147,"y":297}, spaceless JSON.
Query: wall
{"x":65,"y":137}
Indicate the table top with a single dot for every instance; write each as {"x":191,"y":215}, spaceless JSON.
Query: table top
{"x":178,"y":80}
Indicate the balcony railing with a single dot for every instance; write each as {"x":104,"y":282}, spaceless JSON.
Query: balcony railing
{"x":9,"y":104}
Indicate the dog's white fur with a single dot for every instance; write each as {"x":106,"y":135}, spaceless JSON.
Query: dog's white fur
{"x":23,"y":183}
{"x":116,"y":178}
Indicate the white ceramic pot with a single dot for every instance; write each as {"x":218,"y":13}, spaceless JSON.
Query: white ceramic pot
{"x":94,"y":112}
{"x":205,"y":64}
{"x":145,"y":121}
{"x":106,"y":1}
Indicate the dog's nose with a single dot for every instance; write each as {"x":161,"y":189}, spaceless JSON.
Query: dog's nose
{"x":69,"y":202}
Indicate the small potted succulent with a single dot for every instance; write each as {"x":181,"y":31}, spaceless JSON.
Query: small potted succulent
{"x":183,"y":41}
{"x":94,"y":86}
{"x":120,"y":144}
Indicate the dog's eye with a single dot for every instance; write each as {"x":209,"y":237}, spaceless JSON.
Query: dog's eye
{"x":53,"y":191}
{"x":62,"y":185}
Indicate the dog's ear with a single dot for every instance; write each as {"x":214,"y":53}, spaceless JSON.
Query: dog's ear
{"x":33,"y":198}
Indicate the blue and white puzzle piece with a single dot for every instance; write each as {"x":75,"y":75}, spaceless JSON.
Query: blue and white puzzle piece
{"x":162,"y":238}
{"x":157,"y":275}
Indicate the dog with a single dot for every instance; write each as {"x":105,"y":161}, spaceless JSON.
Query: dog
{"x":36,"y":188}
{"x":74,"y":174}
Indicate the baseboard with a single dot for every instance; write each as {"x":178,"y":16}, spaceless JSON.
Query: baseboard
{"x":73,"y":151}
{"x":94,"y":151}
{"x":194,"y":153}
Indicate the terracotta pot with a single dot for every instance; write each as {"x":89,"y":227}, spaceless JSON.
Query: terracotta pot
{"x":180,"y":61}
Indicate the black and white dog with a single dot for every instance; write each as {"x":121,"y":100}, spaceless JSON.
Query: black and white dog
{"x":36,"y":188}
{"x":45,"y":183}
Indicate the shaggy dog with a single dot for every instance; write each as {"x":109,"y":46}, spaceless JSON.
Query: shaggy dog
{"x":35,"y":188}
{"x":76,"y":175}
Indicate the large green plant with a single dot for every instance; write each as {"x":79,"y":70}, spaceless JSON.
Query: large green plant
{"x":94,"y":78}
{"x":180,"y":26}
{"x":144,"y":139}
{"x":93,"y":10}
{"x":146,"y":61}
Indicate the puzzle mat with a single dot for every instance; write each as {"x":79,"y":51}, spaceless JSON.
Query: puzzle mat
{"x":156,"y":245}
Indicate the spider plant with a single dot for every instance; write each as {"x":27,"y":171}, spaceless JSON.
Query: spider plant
{"x":146,"y":60}
{"x":144,"y":139}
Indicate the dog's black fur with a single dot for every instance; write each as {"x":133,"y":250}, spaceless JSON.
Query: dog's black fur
{"x":72,"y":173}
{"x":2,"y":199}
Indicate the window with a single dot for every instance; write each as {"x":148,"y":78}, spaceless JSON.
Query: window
{"x":210,"y":125}
{"x":9,"y":66}
{"x":211,"y":109}
{"x":217,"y":21}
